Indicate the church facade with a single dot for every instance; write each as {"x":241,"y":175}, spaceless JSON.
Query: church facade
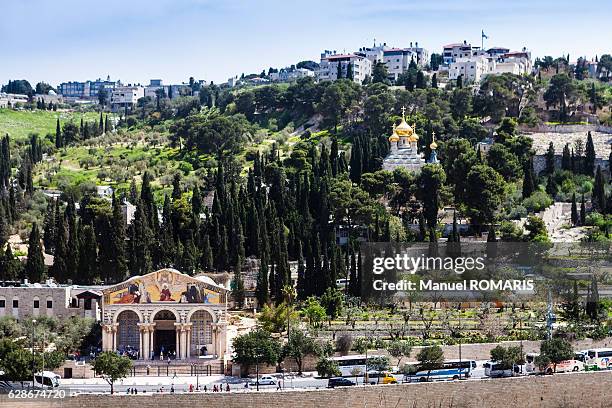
{"x":165,"y":314}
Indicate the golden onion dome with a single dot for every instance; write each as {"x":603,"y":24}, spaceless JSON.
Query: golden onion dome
{"x":433,"y":145}
{"x":403,"y":129}
{"x":394,"y":138}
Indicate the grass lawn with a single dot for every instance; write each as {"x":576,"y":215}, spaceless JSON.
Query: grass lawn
{"x":19,"y":124}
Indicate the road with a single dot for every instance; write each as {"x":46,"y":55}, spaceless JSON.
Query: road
{"x":182,"y":383}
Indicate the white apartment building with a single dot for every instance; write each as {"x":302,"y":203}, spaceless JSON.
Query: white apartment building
{"x":398,"y":61}
{"x":126,"y":97}
{"x":455,"y":51}
{"x":328,"y":68}
{"x":7,"y":99}
{"x":471,"y":69}
{"x":290,"y":74}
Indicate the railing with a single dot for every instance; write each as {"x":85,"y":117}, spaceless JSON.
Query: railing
{"x":178,"y":369}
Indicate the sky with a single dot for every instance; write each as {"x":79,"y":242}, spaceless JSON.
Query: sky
{"x":137,"y":40}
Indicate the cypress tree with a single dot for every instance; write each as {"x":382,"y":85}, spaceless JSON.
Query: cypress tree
{"x":176,"y":186}
{"x":106,"y":124}
{"x":599,"y":195}
{"x":589,"y":158}
{"x":528,"y":179}
{"x":141,"y":238}
{"x":262,"y":290}
{"x":60,"y":269}
{"x":35,"y":265}
{"x":550,"y":159}
{"x":566,"y":159}
{"x":551,"y":187}
{"x":58,"y":135}
{"x":434,"y":81}
{"x":582,"y":211}
{"x":339,"y":70}
{"x":196,"y":201}
{"x":101,"y":124}
{"x":117,"y":242}
{"x":9,"y":266}
{"x":206,"y":260}
{"x":88,"y":257}
{"x":574,"y":210}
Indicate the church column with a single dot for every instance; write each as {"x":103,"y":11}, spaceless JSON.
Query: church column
{"x":188,"y":340}
{"x":179,"y":338}
{"x":142,"y":330}
{"x":150,"y":334}
{"x":114,"y":328}
{"x":107,"y":340}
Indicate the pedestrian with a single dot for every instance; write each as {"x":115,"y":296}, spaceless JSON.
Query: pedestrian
{"x":246,"y":385}
{"x":190,"y":387}
{"x":172,"y":389}
{"x":278,"y":385}
{"x":215,"y":388}
{"x":136,"y":391}
{"x":227,"y":388}
{"x":205,"y":388}
{"x":127,"y":391}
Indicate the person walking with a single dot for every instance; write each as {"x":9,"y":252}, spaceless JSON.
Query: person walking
{"x":227,"y":387}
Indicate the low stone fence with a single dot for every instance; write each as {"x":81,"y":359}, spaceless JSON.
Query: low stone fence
{"x":590,"y":389}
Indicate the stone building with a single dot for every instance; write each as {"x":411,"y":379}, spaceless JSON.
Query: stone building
{"x":29,"y":300}
{"x":165,"y":314}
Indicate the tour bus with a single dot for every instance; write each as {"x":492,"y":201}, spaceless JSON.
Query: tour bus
{"x":341,"y":283}
{"x":574,"y":364}
{"x":353,"y":365}
{"x":494,"y":369}
{"x":599,"y":359}
{"x":450,"y":370}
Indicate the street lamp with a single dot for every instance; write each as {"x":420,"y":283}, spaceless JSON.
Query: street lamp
{"x":33,"y":362}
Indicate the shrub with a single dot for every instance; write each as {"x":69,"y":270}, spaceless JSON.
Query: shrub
{"x":344,"y":343}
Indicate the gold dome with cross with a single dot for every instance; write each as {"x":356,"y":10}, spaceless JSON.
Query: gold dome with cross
{"x":403,"y":130}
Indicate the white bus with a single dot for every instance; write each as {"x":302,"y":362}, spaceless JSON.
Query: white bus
{"x":574,"y":364}
{"x":450,"y":370}
{"x":354,"y":365}
{"x":600,"y":358}
{"x":494,"y":369}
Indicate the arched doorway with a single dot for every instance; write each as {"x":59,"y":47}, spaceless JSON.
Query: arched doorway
{"x":164,"y":337}
{"x":128,"y":335}
{"x":201,"y":333}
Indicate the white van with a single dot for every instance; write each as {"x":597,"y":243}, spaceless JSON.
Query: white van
{"x":601,"y":358}
{"x":46,"y":379}
{"x":493,"y":370}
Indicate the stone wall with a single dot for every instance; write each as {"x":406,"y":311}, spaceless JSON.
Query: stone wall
{"x":557,"y":391}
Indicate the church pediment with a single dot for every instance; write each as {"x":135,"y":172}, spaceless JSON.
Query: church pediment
{"x":165,"y":286}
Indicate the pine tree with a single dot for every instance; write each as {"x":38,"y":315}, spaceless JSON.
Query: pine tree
{"x":574,"y":210}
{"x":35,"y":265}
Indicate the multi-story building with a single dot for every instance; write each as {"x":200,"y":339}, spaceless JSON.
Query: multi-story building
{"x":9,"y":100}
{"x":87,"y":89}
{"x":360,"y":65}
{"x":452,"y":52}
{"x":126,"y":97}
{"x":471,"y":69}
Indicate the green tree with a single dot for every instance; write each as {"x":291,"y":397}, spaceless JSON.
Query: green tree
{"x":299,"y":346}
{"x":430,"y":358}
{"x":112,"y":367}
{"x":257,"y":346}
{"x":399,"y":349}
{"x":332,"y":300}
{"x":313,"y":311}
{"x":35,"y":265}
{"x":380,"y":73}
{"x":327,"y":368}
{"x":485,"y":192}
{"x":556,"y":350}
{"x":550,"y":159}
{"x":507,"y":358}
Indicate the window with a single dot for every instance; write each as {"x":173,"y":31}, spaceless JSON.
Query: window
{"x":15,"y":303}
{"x":36,"y":304}
{"x":2,"y":303}
{"x":49,"y":304}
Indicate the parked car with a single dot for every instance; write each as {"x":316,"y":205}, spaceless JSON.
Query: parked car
{"x":388,"y":379}
{"x":339,"y":382}
{"x":265,"y":380}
